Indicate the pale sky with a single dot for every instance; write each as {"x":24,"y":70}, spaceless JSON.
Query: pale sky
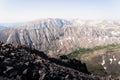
{"x":27,"y":10}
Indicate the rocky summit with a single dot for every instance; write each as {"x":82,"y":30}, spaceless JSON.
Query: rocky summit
{"x":20,"y":62}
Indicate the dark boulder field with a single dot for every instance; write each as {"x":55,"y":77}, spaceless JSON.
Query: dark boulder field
{"x":20,"y":62}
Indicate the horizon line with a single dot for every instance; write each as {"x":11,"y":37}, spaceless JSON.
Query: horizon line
{"x":20,"y":21}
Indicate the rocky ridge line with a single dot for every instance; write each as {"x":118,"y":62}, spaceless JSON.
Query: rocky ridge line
{"x":20,"y":62}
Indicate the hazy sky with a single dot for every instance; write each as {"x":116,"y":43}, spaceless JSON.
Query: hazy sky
{"x":26,"y":10}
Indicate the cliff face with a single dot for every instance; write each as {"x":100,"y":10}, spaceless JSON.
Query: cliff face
{"x":63,"y":36}
{"x":19,"y":62}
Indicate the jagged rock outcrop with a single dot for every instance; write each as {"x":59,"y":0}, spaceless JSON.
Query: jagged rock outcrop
{"x":63,"y":36}
{"x":20,"y":62}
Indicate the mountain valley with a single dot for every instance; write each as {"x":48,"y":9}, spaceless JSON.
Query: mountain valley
{"x":95,"y":42}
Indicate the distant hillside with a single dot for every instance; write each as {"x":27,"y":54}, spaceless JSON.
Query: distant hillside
{"x":100,"y":60}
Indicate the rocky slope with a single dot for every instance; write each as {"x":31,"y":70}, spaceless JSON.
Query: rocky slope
{"x":59,"y":36}
{"x":19,"y":62}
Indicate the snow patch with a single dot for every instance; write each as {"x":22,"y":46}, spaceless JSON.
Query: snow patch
{"x":100,"y":39}
{"x":115,"y":32}
{"x":114,"y":58}
{"x":103,"y":61}
{"x":105,"y":68}
{"x":110,"y":60}
{"x":9,"y":37}
{"x":118,"y":62}
{"x":89,"y":41}
{"x":21,"y":30}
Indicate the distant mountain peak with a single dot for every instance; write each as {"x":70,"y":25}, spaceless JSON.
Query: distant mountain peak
{"x":47,"y":22}
{"x":55,"y":35}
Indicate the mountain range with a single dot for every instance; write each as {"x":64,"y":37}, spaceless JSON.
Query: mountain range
{"x":60,"y":36}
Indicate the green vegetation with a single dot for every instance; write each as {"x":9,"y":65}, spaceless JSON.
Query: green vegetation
{"x":88,"y":56}
{"x":96,"y":69}
{"x":81,"y":51}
